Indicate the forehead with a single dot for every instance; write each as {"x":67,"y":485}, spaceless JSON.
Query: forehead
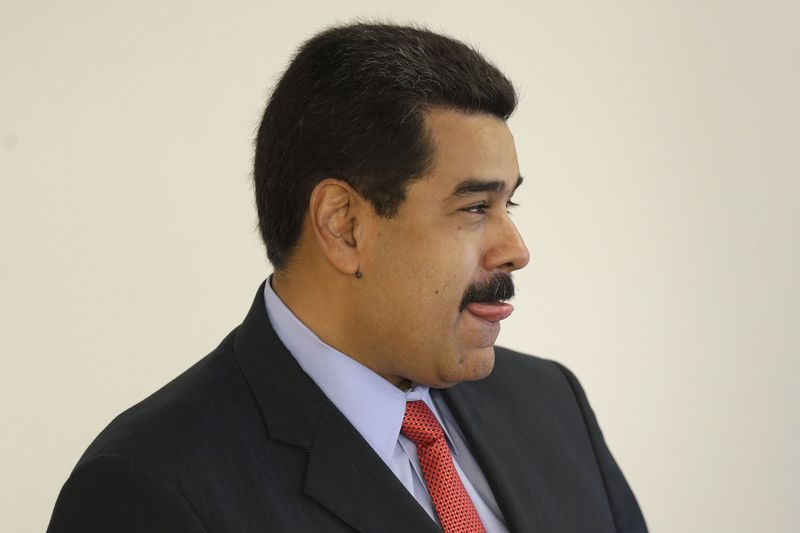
{"x":468,"y":146}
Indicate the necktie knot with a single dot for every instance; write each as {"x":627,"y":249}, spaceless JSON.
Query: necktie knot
{"x":420,"y":425}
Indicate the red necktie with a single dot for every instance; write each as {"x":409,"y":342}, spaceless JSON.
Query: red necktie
{"x":453,"y":505}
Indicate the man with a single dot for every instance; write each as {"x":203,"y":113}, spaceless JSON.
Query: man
{"x":363,"y":391}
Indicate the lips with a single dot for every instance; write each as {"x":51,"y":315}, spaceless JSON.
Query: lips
{"x":491,"y":312}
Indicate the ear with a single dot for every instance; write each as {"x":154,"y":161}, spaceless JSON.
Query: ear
{"x":333,"y":210}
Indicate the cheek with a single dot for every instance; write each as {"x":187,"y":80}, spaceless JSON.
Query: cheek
{"x":424,"y":275}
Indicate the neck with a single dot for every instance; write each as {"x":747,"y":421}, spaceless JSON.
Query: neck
{"x":326,"y":309}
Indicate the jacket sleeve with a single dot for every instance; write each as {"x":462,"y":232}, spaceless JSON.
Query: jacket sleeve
{"x":627,"y":515}
{"x":111,"y":493}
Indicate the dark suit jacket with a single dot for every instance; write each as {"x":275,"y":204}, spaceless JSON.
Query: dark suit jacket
{"x":245,"y":441}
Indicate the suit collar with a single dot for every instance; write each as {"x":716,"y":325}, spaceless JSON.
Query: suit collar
{"x":343,"y":473}
{"x":290,"y":402}
{"x":370,"y":403}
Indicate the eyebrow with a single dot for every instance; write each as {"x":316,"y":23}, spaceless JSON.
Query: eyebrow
{"x":475,"y":186}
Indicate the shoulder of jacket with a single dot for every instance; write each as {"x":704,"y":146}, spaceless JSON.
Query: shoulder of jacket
{"x":177,"y":416}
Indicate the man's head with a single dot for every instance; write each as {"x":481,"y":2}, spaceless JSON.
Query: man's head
{"x":384,"y":151}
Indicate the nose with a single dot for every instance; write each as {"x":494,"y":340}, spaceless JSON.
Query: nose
{"x":507,"y":251}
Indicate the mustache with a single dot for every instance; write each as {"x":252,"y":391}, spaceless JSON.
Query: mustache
{"x":499,"y":287}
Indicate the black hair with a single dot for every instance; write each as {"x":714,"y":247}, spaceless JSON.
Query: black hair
{"x":351,"y":105}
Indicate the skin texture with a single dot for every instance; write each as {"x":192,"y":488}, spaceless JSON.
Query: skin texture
{"x":402,"y":318}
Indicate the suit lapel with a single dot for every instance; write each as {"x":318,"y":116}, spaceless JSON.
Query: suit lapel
{"x":499,"y":455}
{"x":343,"y":473}
{"x":348,"y":477}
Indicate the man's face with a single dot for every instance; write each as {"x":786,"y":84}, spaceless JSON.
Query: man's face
{"x":452,"y":234}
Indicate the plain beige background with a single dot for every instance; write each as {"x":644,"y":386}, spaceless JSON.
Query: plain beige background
{"x":660,"y":142}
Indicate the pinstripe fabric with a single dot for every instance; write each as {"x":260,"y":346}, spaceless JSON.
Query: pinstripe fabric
{"x":244,"y":441}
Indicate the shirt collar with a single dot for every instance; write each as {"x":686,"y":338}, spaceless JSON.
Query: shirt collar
{"x":373,"y":405}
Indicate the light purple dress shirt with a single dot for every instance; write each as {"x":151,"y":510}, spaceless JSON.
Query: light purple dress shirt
{"x":376,"y":409}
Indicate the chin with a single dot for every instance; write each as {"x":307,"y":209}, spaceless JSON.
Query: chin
{"x":476,"y":364}
{"x":484,"y":362}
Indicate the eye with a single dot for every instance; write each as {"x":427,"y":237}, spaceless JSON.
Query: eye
{"x":481,"y":208}
{"x":477,"y":209}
